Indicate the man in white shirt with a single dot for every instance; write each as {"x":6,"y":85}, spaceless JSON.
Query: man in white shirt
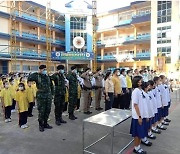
{"x":124,"y":88}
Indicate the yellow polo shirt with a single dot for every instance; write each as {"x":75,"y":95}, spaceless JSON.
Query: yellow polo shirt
{"x":129,"y":81}
{"x":13,"y":88}
{"x":22,"y":100}
{"x":117,"y":84}
{"x":30,"y":94}
{"x":7,"y":97}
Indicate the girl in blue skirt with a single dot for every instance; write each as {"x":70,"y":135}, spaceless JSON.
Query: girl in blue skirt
{"x":138,"y":123}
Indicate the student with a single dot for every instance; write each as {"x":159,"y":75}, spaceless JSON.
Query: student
{"x":22,"y":105}
{"x":138,"y":123}
{"x":13,"y":89}
{"x":109,"y":91}
{"x":6,"y":101}
{"x":165,"y":99}
{"x":157,"y":82}
{"x":31,"y":98}
{"x":155,"y":109}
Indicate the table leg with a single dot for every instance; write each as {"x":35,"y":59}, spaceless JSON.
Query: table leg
{"x":112,"y":139}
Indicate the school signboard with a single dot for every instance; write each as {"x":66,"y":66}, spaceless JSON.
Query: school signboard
{"x":62,"y":55}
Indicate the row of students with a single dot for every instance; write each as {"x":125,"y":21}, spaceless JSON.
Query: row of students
{"x":150,"y":105}
{"x":22,"y":97}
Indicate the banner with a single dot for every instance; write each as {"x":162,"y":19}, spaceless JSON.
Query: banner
{"x":62,"y":55}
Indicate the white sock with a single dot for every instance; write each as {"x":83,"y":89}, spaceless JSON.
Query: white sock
{"x":149,"y":133}
{"x":144,"y":139}
{"x":153,"y":128}
{"x":137,"y":148}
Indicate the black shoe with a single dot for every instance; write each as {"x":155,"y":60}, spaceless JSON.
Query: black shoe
{"x":41,"y":128}
{"x":30,"y":115}
{"x":63,"y":121}
{"x":86,"y":112}
{"x":139,"y":151}
{"x":58,"y":123}
{"x":167,"y":120}
{"x":75,"y":117}
{"x":100,"y":108}
{"x":162,"y":128}
{"x":151,"y":137}
{"x":147,"y":144}
{"x":157,"y":131}
{"x":97,"y":109}
{"x":71,"y":117}
{"x":165,"y":123}
{"x":47,"y":126}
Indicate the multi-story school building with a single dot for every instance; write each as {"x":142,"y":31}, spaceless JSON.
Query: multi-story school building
{"x":144,"y":34}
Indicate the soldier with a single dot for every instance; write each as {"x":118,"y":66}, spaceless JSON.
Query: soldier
{"x":98,"y":88}
{"x":73,"y":92}
{"x":59,"y":95}
{"x":86,"y":92}
{"x":43,"y":96}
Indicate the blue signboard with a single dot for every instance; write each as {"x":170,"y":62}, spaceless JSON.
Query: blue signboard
{"x":62,"y":55}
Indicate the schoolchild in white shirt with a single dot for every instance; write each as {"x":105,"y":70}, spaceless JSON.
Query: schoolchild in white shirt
{"x":152,"y":94}
{"x":138,"y":123}
{"x":165,"y":99}
{"x":149,"y":113}
{"x":157,"y":82}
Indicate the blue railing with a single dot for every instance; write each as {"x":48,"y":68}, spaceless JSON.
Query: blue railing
{"x":29,"y":35}
{"x":143,"y":36}
{"x":106,"y":57}
{"x":124,"y":22}
{"x":141,"y":55}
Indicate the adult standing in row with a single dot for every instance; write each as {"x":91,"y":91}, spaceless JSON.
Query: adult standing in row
{"x":86,"y":92}
{"x":73,"y":92}
{"x":43,"y":96}
{"x":59,"y":94}
{"x":98,"y":88}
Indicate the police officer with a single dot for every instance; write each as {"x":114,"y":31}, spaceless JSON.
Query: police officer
{"x":59,"y":94}
{"x":73,"y":92}
{"x":98,"y":88}
{"x":86,"y":92}
{"x":43,"y":96}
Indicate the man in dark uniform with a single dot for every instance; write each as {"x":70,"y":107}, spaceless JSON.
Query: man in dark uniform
{"x":73,"y":92}
{"x":59,"y":94}
{"x":43,"y":96}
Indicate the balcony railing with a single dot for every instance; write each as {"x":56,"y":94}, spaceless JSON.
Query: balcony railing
{"x":143,"y":55}
{"x":143,"y":36}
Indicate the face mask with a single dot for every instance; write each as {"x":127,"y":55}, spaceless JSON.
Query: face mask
{"x":75,"y":71}
{"x":90,"y":72}
{"x":21,"y":88}
{"x":44,"y":72}
{"x":61,"y":71}
{"x":12,"y":82}
{"x":118,"y":73}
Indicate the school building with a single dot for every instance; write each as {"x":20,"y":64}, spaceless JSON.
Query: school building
{"x":144,"y":34}
{"x":29,"y":33}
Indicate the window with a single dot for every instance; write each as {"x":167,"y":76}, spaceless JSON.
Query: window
{"x":164,"y":11}
{"x":164,"y":34}
{"x":78,"y":23}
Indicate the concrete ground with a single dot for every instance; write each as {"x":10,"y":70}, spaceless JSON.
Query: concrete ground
{"x":67,"y":138}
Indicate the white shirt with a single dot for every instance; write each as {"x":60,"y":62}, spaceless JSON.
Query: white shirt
{"x":168,"y":97}
{"x":153,"y":92}
{"x":158,"y":97}
{"x":137,"y":98}
{"x":123,"y":81}
{"x":151,"y":104}
{"x":163,"y":95}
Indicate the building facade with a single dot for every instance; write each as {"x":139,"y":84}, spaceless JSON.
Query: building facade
{"x":142,"y":35}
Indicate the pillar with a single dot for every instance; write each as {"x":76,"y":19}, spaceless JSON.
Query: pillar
{"x":102,"y":53}
{"x":38,"y":33}
{"x":102,"y":67}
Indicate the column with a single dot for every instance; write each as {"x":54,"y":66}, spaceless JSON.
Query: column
{"x":39,"y":49}
{"x":117,"y":65}
{"x":135,"y":32}
{"x":89,"y":35}
{"x":102,"y":53}
{"x":54,"y":48}
{"x":20,"y":28}
{"x":67,"y":32}
{"x":38,"y":13}
{"x":53,"y":35}
{"x":38,"y":33}
{"x":135,"y":50}
{"x":102,"y":36}
{"x":20,"y":7}
{"x":102,"y":67}
{"x":20,"y":47}
{"x":21,"y":66}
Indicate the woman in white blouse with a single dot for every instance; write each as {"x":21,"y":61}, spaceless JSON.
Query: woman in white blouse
{"x":109,"y":91}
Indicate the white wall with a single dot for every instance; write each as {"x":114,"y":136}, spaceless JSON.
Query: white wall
{"x":3,"y":45}
{"x":4,"y":27}
{"x":3,"y":6}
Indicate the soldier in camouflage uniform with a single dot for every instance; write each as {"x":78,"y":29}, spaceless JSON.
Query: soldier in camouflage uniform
{"x":43,"y":96}
{"x":73,"y":93}
{"x":59,"y":95}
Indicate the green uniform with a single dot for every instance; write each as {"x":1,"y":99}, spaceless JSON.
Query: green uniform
{"x":59,"y":94}
{"x":73,"y":92}
{"x":43,"y":95}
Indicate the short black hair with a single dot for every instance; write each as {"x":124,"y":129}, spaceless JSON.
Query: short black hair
{"x":145,"y":85}
{"x":73,"y":67}
{"x":5,"y":82}
{"x":11,"y":79}
{"x":122,"y":70}
{"x":135,"y":81}
{"x":42,"y":67}
{"x":98,"y":69}
{"x":107,"y":75}
{"x":151,"y":82}
{"x":128,"y":71}
{"x":156,"y":78}
{"x":115,"y":70}
{"x":87,"y":69}
{"x":60,"y":67}
{"x":22,"y":85}
{"x":162,"y":76}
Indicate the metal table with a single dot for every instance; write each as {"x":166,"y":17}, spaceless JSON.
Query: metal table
{"x":110,"y":118}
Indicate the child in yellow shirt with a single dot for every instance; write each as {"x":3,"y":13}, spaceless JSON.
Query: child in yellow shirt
{"x":31,"y":98}
{"x":6,"y":101}
{"x":79,"y":97}
{"x":13,"y":89}
{"x":22,"y":105}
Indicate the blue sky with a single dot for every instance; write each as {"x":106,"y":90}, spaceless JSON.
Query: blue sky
{"x":102,"y":5}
